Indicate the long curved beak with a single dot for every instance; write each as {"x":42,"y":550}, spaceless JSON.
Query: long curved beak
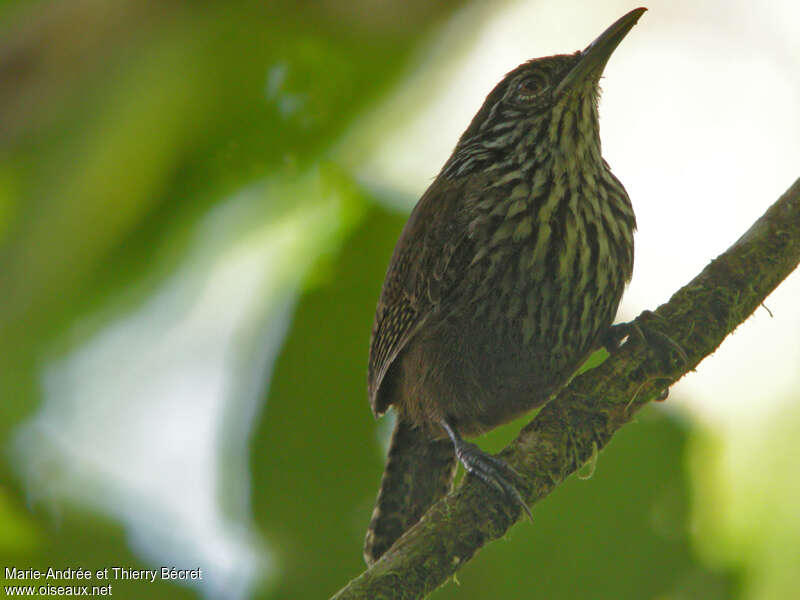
{"x":594,"y":58}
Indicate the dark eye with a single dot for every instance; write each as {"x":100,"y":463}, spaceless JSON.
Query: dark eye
{"x":531,"y":86}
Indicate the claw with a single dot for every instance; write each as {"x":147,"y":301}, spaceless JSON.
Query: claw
{"x":617,"y":334}
{"x":491,"y":470}
{"x":666,"y":342}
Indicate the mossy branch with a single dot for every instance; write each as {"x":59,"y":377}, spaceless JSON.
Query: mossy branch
{"x":569,"y":430}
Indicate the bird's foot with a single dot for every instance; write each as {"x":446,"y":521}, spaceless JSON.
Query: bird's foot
{"x":667,"y":348}
{"x":640,"y":328}
{"x":493,"y":471}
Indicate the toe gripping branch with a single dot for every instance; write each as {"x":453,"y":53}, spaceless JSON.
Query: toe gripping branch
{"x":491,"y":470}
{"x":661,"y":342}
{"x":666,"y":348}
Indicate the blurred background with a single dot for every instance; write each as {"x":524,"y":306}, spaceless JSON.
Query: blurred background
{"x":198,"y":201}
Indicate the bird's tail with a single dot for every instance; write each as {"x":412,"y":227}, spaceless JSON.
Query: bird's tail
{"x":418,"y":472}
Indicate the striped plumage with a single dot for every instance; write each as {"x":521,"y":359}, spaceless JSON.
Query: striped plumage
{"x":505,"y":278}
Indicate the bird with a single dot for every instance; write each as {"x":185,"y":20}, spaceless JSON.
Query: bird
{"x":505,"y":279}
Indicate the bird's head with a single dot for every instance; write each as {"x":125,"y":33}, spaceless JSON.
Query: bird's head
{"x":548,"y":102}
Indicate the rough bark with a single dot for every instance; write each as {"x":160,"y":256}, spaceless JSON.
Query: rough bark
{"x":576,"y":424}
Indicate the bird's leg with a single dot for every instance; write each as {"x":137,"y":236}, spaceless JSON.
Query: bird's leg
{"x":489,"y":469}
{"x":661,"y":342}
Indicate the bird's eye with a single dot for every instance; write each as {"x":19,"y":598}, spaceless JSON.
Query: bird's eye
{"x":531,"y":86}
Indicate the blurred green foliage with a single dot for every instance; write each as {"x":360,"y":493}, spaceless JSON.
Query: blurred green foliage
{"x":123,"y":124}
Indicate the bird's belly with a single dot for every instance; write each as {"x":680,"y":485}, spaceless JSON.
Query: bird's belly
{"x":479,"y":370}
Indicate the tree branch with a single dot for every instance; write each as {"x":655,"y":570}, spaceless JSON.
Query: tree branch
{"x":570,"y":429}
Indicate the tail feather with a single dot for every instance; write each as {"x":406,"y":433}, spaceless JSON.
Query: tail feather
{"x":418,"y":472}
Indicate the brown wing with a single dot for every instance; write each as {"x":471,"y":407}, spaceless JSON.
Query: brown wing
{"x":417,"y":279}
